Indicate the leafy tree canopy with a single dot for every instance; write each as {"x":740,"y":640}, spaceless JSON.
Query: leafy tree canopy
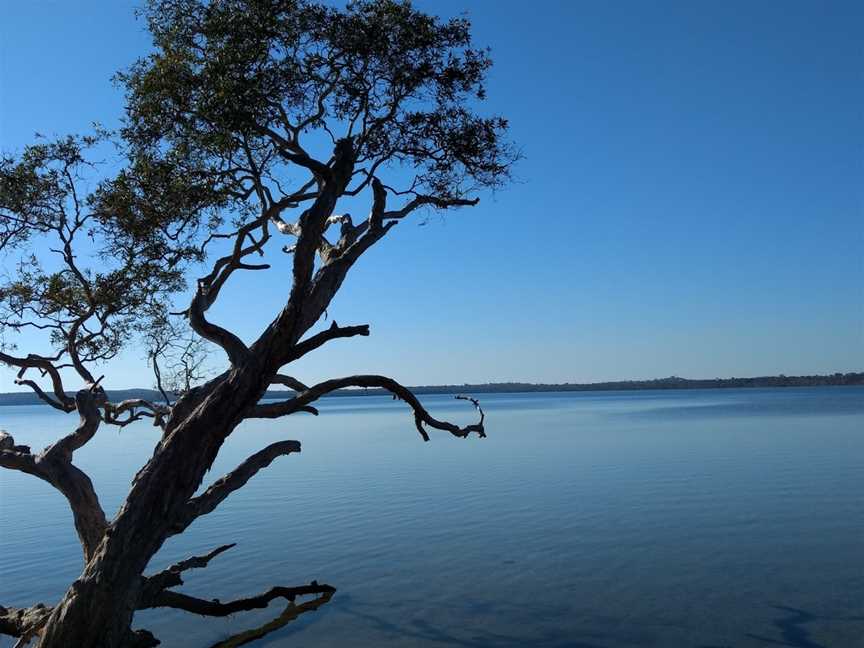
{"x":219,"y":139}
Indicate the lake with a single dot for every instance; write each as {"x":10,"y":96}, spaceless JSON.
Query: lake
{"x":702,"y":519}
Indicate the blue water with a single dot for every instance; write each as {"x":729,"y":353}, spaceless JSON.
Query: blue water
{"x":690,"y":518}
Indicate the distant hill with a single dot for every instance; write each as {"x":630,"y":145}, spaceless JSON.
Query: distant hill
{"x":673,"y":382}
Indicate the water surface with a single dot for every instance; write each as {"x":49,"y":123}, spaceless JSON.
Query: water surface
{"x":591,"y":520}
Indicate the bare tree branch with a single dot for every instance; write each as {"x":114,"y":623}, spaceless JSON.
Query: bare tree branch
{"x":233,"y":345}
{"x":421,"y":416}
{"x":290,"y":152}
{"x":290,"y":613}
{"x":237,"y":478}
{"x":420,"y":201}
{"x":172,"y":576}
{"x":157,"y":411}
{"x":54,"y":465}
{"x":313,"y":221}
{"x":210,"y":286}
{"x":330,"y":276}
{"x":333,"y":332}
{"x":43,"y":396}
{"x":72,"y":337}
{"x":288,"y":381}
{"x":216,"y":608}
{"x":157,"y":374}
{"x":155,"y":590}
{"x":23,"y":622}
{"x":16,"y":457}
{"x":45,"y":365}
{"x":87,"y":402}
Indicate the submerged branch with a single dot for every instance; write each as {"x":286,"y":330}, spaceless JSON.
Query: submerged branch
{"x":291,"y":612}
{"x":155,"y":593}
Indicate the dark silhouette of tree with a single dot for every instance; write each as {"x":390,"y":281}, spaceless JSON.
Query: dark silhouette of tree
{"x":223,"y":159}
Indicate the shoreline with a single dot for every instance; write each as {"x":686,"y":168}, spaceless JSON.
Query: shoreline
{"x":661,"y":384}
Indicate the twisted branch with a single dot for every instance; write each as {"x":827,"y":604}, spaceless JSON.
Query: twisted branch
{"x":158,"y":412}
{"x":54,"y":465}
{"x":87,"y":403}
{"x":421,"y":416}
{"x":32,"y":361}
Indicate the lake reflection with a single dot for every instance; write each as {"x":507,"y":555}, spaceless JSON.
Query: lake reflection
{"x":689,"y":518}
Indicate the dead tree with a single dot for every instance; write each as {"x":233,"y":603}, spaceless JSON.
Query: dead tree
{"x":219,"y":165}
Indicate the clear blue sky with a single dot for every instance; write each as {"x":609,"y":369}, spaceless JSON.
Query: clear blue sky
{"x":690,"y":202}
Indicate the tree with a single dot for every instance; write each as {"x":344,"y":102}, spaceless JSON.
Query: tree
{"x":218,"y":141}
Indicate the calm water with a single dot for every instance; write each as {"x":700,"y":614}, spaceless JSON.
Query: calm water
{"x":698,"y":519}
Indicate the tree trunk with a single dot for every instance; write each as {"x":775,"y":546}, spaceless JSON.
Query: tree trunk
{"x":97,"y":610}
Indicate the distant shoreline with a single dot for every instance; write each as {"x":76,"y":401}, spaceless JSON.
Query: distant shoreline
{"x":673,"y":382}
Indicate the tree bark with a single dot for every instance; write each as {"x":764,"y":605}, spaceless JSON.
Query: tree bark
{"x":97,"y":610}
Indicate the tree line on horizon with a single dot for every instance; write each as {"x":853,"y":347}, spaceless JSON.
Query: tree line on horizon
{"x":672,"y":382}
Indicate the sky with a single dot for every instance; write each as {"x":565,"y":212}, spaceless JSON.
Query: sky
{"x":689,"y":202}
